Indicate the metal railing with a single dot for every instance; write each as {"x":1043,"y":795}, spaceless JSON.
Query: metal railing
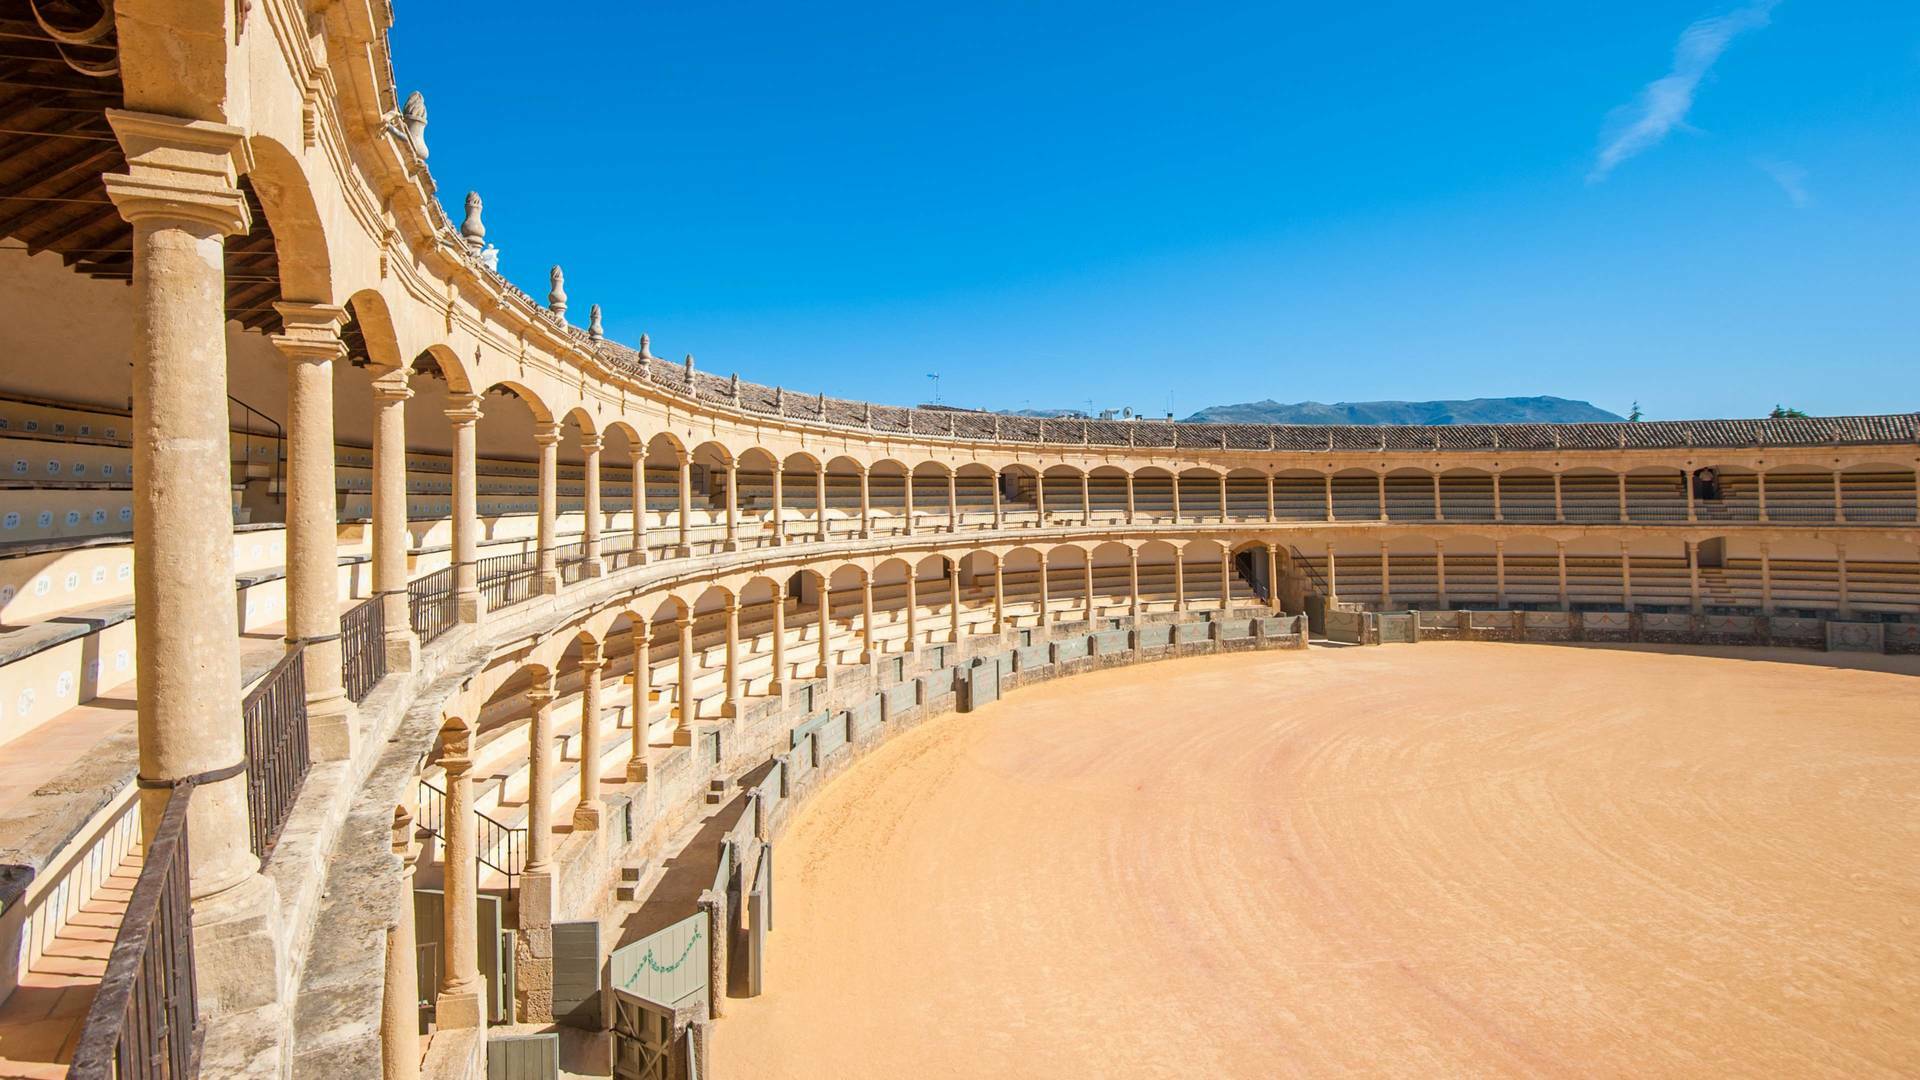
{"x":275,"y":716}
{"x":363,"y":647}
{"x":499,"y":847}
{"x":506,"y":580}
{"x":144,"y":1022}
{"x":432,"y":607}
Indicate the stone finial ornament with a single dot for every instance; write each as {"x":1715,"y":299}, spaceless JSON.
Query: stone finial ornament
{"x":866,"y":413}
{"x":823,"y":404}
{"x":733,"y":388}
{"x":413,"y":120}
{"x":689,"y":369}
{"x":595,"y":331}
{"x":473,"y":230}
{"x":779,"y":399}
{"x":646,"y":347}
{"x":556,"y":291}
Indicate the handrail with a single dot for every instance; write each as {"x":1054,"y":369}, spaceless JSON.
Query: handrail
{"x":363,"y":647}
{"x":144,"y":1021}
{"x":279,"y":436}
{"x":274,"y":716}
{"x":1313,"y":575}
{"x":494,"y":832}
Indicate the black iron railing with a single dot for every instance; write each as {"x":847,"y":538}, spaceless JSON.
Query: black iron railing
{"x":432,"y":607}
{"x":144,"y":1023}
{"x":499,"y":846}
{"x":506,"y":580}
{"x":275,"y":715}
{"x":363,"y":647}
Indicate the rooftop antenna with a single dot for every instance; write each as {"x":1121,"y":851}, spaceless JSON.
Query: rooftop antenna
{"x":935,"y":376}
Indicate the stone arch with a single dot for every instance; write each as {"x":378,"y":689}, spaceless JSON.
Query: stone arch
{"x":374,"y":317}
{"x":299,"y":235}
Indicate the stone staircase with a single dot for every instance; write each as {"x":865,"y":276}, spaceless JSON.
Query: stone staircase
{"x":40,"y":1020}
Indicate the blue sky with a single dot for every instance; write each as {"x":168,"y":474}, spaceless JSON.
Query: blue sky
{"x":1705,"y":209}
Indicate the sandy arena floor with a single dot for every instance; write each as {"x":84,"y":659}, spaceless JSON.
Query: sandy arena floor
{"x":1442,"y":860}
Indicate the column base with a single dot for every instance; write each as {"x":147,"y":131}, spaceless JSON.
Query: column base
{"x":586,"y":817}
{"x":683,"y":551}
{"x":237,"y":947}
{"x":403,"y":650}
{"x":596,"y":567}
{"x":638,"y":770}
{"x":330,"y":727}
{"x":472,"y":608}
{"x":460,"y":1008}
{"x":682,"y":736}
{"x":533,"y":949}
{"x":729,"y":710}
{"x":777,"y":689}
{"x":549,"y":583}
{"x":730,"y":545}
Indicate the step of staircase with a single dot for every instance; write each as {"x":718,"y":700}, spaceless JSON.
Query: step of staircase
{"x":40,"y":1021}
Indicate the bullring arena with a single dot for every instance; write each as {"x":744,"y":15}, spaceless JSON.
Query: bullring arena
{"x":403,"y":679}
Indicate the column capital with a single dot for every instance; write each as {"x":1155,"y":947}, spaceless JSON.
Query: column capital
{"x":592,"y":664}
{"x":180,"y":170}
{"x":463,"y":409}
{"x":310,"y":333}
{"x":540,"y":695}
{"x":546,"y":433}
{"x":392,"y":384}
{"x":591,"y":444}
{"x":456,"y":746}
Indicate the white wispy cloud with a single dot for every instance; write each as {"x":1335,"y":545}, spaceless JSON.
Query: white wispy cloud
{"x":1791,"y":178}
{"x":1663,"y":104}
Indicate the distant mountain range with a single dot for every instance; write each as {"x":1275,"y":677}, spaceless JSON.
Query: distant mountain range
{"x":1507,"y":410}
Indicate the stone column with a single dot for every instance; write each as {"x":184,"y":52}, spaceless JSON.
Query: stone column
{"x":590,"y":537}
{"x":1766,"y":579}
{"x":180,"y":196}
{"x":1273,"y":512}
{"x":907,"y":502}
{"x":1089,"y":569}
{"x":825,"y":669}
{"x":953,"y":599}
{"x":733,"y":505}
{"x":1176,"y":498}
{"x":533,"y":945}
{"x":399,"y":992}
{"x":866,"y":617}
{"x":866,"y":503}
{"x":1043,"y":590}
{"x":1226,"y":578}
{"x":1440,"y":571}
{"x":1498,"y":514}
{"x":1179,"y":575}
{"x":1626,"y":577}
{"x":730,"y":702}
{"x":540,"y":777}
{"x":1329,"y":479}
{"x":310,"y":340}
{"x":820,"y":502}
{"x":1040,"y":497}
{"x":1840,"y":566}
{"x":685,"y":547}
{"x":547,"y":437}
{"x":683,"y":694}
{"x":1439,"y":504}
{"x":1386,"y":577}
{"x":461,"y":1002}
{"x":778,"y":687}
{"x":1761,"y":477}
{"x":390,"y":394}
{"x":1223,"y":498}
{"x":638,"y":760}
{"x":913,"y":607}
{"x":1560,"y":555}
{"x":953,"y":501}
{"x":1686,"y":482}
{"x":1086,"y":498}
{"x":464,"y":413}
{"x":1693,"y":576}
{"x":999,"y":522}
{"x":1839,"y":501}
{"x":639,"y":482}
{"x":1380,"y":486}
{"x":586,"y":815}
{"x":1559,"y":504}
{"x":999,"y":596}
{"x":1333,"y":578}
{"x":1500,"y":573}
{"x":779,"y":497}
{"x":1133,"y":584}
{"x":1274,"y":600}
{"x":1625,"y":515}
{"x":1129,"y":498}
